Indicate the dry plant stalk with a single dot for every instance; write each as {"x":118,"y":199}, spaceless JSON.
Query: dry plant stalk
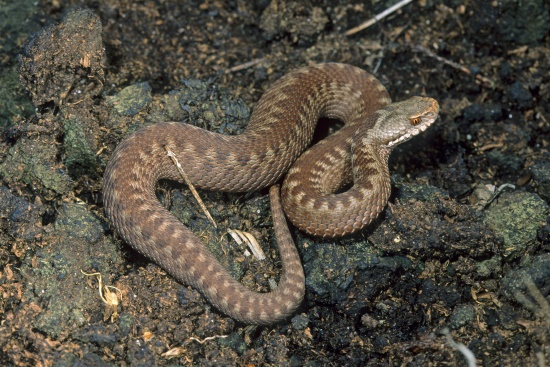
{"x":191,"y":187}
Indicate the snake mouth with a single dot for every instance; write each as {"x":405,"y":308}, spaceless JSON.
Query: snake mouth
{"x":410,"y":133}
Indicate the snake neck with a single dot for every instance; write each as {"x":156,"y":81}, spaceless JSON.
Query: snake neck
{"x":370,"y":161}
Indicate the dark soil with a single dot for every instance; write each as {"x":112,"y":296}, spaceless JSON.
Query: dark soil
{"x":462,"y":251}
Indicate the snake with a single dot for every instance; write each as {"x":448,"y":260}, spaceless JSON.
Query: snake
{"x":333,"y":188}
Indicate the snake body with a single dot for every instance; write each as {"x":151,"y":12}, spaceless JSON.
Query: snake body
{"x":280,"y":129}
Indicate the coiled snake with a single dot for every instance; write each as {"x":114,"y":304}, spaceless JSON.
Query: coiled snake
{"x":281,"y":127}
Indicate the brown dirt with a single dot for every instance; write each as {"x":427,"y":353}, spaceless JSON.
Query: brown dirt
{"x":442,"y":255}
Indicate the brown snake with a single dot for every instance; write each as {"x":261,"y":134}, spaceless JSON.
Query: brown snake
{"x":280,"y":129}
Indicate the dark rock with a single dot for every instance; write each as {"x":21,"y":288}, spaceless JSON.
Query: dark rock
{"x":380,"y":342}
{"x":125,"y":325}
{"x":13,"y":103}
{"x":90,"y":360}
{"x":507,"y":163}
{"x":538,"y":269}
{"x":331,"y":271}
{"x":235,"y":342}
{"x":540,"y":172}
{"x":521,"y":96}
{"x":438,"y":225}
{"x":23,"y":218}
{"x":455,"y":177}
{"x":299,"y":20}
{"x":77,"y":222}
{"x":505,"y":71}
{"x":296,"y":361}
{"x":429,"y":292}
{"x":300,"y":322}
{"x":482,"y":112}
{"x":277,"y":349}
{"x":63,"y":59}
{"x":58,"y":284}
{"x":18,"y":20}
{"x":524,"y":22}
{"x":462,"y":316}
{"x":492,"y":317}
{"x":543,"y":235}
{"x":33,"y":163}
{"x":140,"y":354}
{"x":409,"y":192}
{"x":96,"y":334}
{"x":509,"y":24}
{"x":507,"y":316}
{"x":80,"y":146}
{"x":212,"y":108}
{"x":449,"y":296}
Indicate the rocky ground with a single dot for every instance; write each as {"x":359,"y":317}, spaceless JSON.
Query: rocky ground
{"x":461,"y":253}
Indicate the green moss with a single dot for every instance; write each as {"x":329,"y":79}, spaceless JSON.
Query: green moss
{"x":412,"y":192}
{"x":33,"y":163}
{"x":80,"y":154}
{"x":130,"y":100}
{"x":57,"y":282}
{"x":16,"y":22}
{"x":77,"y":222}
{"x":13,"y":102}
{"x":488,"y":267}
{"x":516,"y":217}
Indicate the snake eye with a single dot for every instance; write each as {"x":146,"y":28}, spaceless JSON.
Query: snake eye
{"x":415,"y":120}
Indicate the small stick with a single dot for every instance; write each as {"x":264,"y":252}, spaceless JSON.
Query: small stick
{"x":174,"y":352}
{"x":543,"y":310}
{"x":246,"y":65}
{"x":377,"y":17}
{"x":191,"y":187}
{"x":208,"y":338}
{"x":467,"y":353}
{"x":464,"y":69}
{"x":498,"y":192}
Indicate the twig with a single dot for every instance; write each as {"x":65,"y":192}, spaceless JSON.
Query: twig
{"x":488,"y":82}
{"x":377,"y":17}
{"x":541,"y":311}
{"x":498,"y":192}
{"x":191,"y":187}
{"x":246,"y":65}
{"x":467,"y":353}
{"x":177,"y":351}
{"x":543,"y":308}
{"x":208,"y":338}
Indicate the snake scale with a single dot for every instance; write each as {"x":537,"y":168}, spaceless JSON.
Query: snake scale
{"x":280,"y":129}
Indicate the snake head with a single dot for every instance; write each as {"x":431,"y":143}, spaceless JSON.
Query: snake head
{"x":400,"y":121}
